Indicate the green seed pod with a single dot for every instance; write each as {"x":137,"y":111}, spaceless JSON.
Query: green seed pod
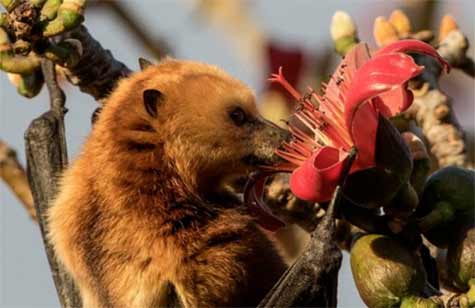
{"x":419,"y":302}
{"x":70,"y":14}
{"x":385,"y":271}
{"x":448,"y":197}
{"x":28,"y":85}
{"x":50,"y":9}
{"x":461,"y":256}
{"x":467,"y":300}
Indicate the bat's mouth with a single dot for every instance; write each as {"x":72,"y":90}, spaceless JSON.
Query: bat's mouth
{"x":255,"y":161}
{"x":253,"y":193}
{"x":260,"y":161}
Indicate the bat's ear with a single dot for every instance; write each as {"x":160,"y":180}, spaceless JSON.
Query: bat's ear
{"x":151,"y":101}
{"x":144,"y":63}
{"x":95,"y":115}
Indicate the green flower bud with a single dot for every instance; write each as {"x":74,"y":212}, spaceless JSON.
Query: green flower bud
{"x":461,"y":256}
{"x":448,"y":197}
{"x":385,"y":271}
{"x":419,"y":302}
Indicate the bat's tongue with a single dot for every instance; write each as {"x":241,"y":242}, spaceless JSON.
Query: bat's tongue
{"x":253,"y":198}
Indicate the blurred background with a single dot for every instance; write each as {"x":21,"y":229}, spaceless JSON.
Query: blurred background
{"x":249,"y":39}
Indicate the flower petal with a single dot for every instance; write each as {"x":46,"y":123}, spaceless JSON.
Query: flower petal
{"x":353,"y":60}
{"x":394,"y":101}
{"x":253,"y":192}
{"x":317,"y":178}
{"x":377,"y":76}
{"x":363,"y":131}
{"x":413,"y":46}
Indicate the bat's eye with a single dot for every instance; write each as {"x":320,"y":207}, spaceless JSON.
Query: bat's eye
{"x":238,"y":116}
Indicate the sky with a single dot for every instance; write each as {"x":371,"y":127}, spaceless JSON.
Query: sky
{"x":25,"y":279}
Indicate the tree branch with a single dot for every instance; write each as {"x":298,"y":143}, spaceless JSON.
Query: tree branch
{"x":432,"y":109}
{"x":46,"y":158}
{"x":312,"y":280}
{"x":13,"y":173}
{"x":97,"y":71}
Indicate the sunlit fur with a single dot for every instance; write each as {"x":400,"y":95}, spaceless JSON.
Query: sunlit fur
{"x":137,"y":217}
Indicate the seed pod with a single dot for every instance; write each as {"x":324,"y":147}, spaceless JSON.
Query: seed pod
{"x":385,"y":271}
{"x":461,"y":255}
{"x":28,"y":85}
{"x":419,"y":302}
{"x":448,"y":197}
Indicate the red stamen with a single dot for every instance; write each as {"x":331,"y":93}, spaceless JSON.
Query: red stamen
{"x":279,"y":78}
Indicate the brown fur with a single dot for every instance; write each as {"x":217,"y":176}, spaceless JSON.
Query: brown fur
{"x":141,"y":214}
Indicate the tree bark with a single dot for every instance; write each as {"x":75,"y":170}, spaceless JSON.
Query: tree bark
{"x":97,"y":71}
{"x":46,"y":158}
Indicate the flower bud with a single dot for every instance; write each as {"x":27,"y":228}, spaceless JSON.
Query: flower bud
{"x":401,"y":23}
{"x":343,"y":32}
{"x":385,"y":271}
{"x":419,"y":302}
{"x":461,"y":255}
{"x":446,"y":200}
{"x":28,"y":85}
{"x":447,"y":25}
{"x":384,"y":32}
{"x":342,"y":25}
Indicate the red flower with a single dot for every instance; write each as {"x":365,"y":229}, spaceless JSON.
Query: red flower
{"x":327,"y":126}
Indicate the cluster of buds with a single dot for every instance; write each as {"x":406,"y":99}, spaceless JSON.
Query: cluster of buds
{"x":27,"y":29}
